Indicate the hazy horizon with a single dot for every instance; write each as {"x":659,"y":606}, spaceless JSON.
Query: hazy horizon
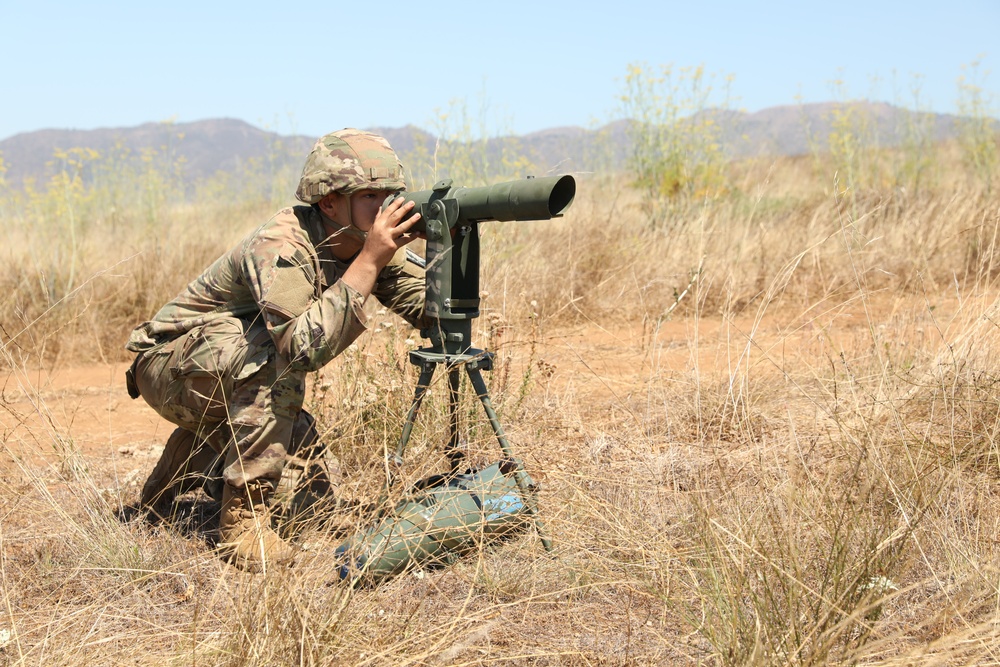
{"x":310,"y":69}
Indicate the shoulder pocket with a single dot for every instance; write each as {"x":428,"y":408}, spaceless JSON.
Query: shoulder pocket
{"x":293,"y":286}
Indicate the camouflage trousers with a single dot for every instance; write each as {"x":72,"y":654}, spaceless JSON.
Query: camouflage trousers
{"x":223,"y":385}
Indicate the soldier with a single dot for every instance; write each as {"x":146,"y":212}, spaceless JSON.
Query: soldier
{"x":226,"y":360}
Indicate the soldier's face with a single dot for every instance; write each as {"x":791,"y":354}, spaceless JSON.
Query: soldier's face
{"x":359,"y":210}
{"x":365,"y":205}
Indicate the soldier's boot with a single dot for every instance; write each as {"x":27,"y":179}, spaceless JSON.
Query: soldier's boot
{"x":246,"y":539}
{"x":182,"y":467}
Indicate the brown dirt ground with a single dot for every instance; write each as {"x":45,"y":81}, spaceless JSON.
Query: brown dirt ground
{"x":87,"y":405}
{"x":595,"y":370}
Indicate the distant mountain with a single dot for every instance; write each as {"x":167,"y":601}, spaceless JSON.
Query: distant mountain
{"x":209,"y":146}
{"x":790,"y":130}
{"x":205,"y":147}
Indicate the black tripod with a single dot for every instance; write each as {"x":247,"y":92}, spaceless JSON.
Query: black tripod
{"x":474,"y":361}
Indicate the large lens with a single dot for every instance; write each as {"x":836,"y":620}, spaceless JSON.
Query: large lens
{"x":528,"y":199}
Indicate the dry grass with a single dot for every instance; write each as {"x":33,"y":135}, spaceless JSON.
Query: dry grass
{"x":765,"y":425}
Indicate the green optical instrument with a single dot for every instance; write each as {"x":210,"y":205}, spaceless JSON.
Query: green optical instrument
{"x":451,"y":513}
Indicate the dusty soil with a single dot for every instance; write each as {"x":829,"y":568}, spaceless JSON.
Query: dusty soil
{"x":87,"y":407}
{"x":594,"y":372}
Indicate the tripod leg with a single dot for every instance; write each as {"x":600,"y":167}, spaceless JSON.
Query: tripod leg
{"x":423,"y":382}
{"x":454,"y":449}
{"x":480,"y":386}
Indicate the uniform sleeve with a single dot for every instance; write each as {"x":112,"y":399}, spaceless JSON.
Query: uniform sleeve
{"x":307,"y":331}
{"x":400,"y":288}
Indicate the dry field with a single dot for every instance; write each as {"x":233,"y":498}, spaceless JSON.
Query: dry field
{"x":766,"y":430}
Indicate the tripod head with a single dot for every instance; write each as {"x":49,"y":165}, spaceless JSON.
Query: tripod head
{"x":450,"y":218}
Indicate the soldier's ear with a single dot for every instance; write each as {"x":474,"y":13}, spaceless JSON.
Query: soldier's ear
{"x":328,"y":205}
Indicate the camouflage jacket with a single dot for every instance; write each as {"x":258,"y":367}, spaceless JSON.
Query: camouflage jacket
{"x":285,"y":273}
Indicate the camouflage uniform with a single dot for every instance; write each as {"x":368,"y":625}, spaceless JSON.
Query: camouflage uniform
{"x":226,"y":359}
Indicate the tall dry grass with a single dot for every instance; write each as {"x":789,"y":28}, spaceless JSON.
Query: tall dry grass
{"x":765,"y":426}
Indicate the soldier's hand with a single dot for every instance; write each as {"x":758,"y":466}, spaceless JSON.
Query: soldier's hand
{"x":390,"y":232}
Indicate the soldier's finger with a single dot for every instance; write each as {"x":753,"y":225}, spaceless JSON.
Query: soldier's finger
{"x":389,"y":209}
{"x":405,"y":226}
{"x":402,"y":209}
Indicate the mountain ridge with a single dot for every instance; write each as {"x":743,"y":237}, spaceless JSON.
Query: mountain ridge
{"x":208,"y":146}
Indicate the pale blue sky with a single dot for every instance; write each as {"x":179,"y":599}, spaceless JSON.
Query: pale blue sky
{"x":310,"y":67}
